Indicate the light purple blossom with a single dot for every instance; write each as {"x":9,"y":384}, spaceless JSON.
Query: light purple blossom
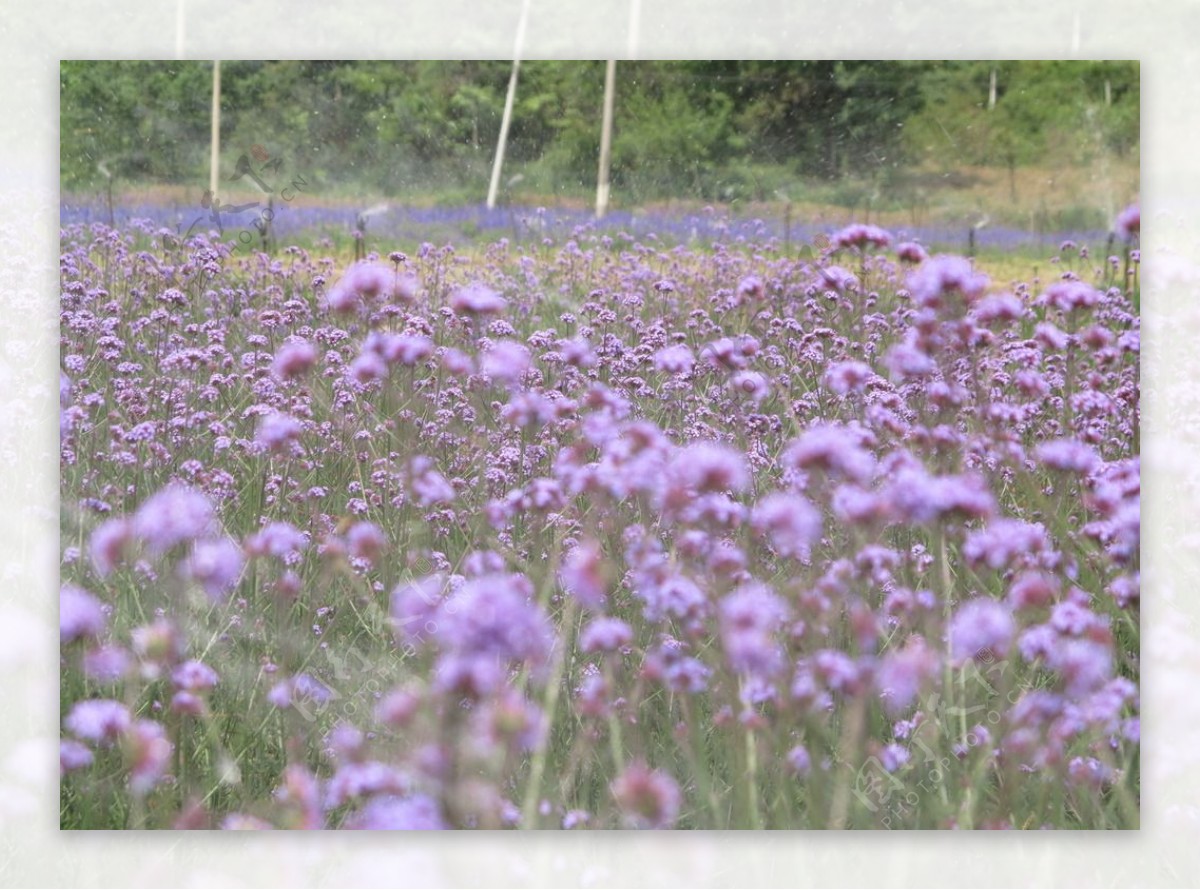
{"x":216,"y":565}
{"x":174,"y":515}
{"x":605,"y":635}
{"x":98,"y":720}
{"x":506,"y":361}
{"x":980,"y":629}
{"x":791,"y":522}
{"x":477,"y":299}
{"x":80,"y":615}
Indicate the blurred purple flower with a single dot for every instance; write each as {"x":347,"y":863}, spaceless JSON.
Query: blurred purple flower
{"x":605,"y":635}
{"x":173,"y":515}
{"x":477,"y":299}
{"x":99,"y":720}
{"x":791,"y":522}
{"x":647,"y":798}
{"x":980,"y":629}
{"x":507,"y":361}
{"x":216,"y":565}
{"x":391,"y":813}
{"x":80,"y":614}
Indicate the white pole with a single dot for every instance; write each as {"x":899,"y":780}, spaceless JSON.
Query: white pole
{"x":494,"y":185}
{"x":610,"y":80}
{"x":216,"y":130}
{"x":992,"y":90}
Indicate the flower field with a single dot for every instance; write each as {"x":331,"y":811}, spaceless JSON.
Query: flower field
{"x":597,"y":533}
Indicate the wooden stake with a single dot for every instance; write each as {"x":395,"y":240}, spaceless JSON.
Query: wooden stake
{"x":610,"y":81}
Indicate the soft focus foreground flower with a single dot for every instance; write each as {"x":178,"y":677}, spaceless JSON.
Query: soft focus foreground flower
{"x":647,"y":798}
{"x":362,"y":281}
{"x":98,"y":720}
{"x":942,"y":280}
{"x":172,"y":516}
{"x":1129,"y":222}
{"x":216,"y":565}
{"x":80,"y":615}
{"x":477,"y":299}
{"x":980,"y":629}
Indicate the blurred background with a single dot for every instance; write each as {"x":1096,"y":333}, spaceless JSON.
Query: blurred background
{"x":995,"y":153}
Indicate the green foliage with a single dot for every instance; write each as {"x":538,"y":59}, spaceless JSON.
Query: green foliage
{"x":711,"y":130}
{"x":1043,"y":111}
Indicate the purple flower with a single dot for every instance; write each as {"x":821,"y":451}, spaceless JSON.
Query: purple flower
{"x":1004,"y":541}
{"x":1088,"y":772}
{"x":367,"y":367}
{"x":750,"y":616}
{"x":582,"y":574}
{"x":893,"y":757}
{"x":751,"y":384}
{"x":492,"y":620}
{"x":1129,"y":222}
{"x":108,"y":544}
{"x":477,"y":299}
{"x":366,"y":541}
{"x":1069,"y":455}
{"x":73,"y":755}
{"x":278,"y":539}
{"x":837,"y":278}
{"x":945,"y":276}
{"x":99,"y":720}
{"x":845,"y":377}
{"x":860,"y":235}
{"x":294,"y":358}
{"x":605,"y":635}
{"x":107,"y":664}
{"x":833,"y":448}
{"x":1067,"y":296}
{"x":916,"y":497}
{"x":675,"y":595}
{"x":839,"y":671}
{"x":647,"y":798}
{"x":902,"y":672}
{"x":507,"y":360}
{"x":429,"y":486}
{"x":791,"y":521}
{"x":299,"y":691}
{"x":80,"y":614}
{"x":276,"y":431}
{"x":356,"y":780}
{"x":194,"y":676}
{"x":149,"y":751}
{"x":997,"y":308}
{"x":457,"y":362}
{"x":712,"y":467}
{"x":414,"y":605}
{"x":390,"y":813}
{"x":751,"y":287}
{"x":905,"y":361}
{"x":799,"y":761}
{"x":216,"y":565}
{"x":980,"y":629}
{"x":674,"y":359}
{"x":172,"y":516}
{"x":1084,"y":664}
{"x":911,"y":252}
{"x":362,"y":280}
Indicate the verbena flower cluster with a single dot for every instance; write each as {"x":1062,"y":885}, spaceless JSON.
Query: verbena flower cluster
{"x":596,"y":534}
